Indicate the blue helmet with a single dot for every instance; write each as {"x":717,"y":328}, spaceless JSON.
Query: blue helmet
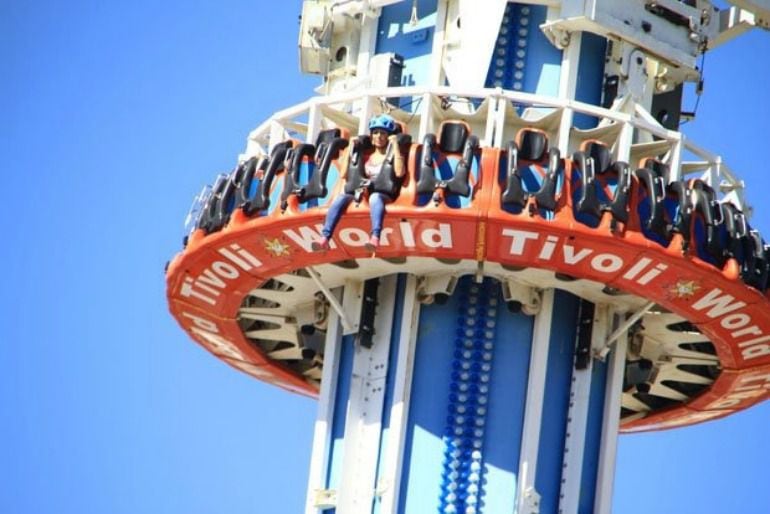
{"x":383,"y":122}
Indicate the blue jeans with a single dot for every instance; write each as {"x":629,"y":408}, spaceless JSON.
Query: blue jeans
{"x":340,"y":204}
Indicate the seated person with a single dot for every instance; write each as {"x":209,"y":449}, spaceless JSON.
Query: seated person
{"x":382,"y":130}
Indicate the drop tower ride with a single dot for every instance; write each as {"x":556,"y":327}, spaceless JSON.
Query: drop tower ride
{"x":559,"y":264}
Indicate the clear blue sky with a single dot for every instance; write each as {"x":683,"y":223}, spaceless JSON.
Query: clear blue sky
{"x":112,"y":117}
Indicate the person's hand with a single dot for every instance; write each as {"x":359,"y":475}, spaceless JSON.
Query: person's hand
{"x":392,"y":138}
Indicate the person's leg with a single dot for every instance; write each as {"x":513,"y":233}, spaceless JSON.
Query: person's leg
{"x":377,"y":203}
{"x":333,"y":215}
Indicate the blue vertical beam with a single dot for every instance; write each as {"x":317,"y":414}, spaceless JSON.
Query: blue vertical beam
{"x":556,"y":400}
{"x":334,"y":471}
{"x":590,"y":76}
{"x":505,"y":420}
{"x":593,"y":437}
{"x":423,"y":445}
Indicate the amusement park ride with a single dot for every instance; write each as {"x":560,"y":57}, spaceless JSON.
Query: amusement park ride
{"x":559,"y":263}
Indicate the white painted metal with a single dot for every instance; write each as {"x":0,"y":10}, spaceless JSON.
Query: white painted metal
{"x":626,"y":324}
{"x":322,"y":432}
{"x":471,"y":35}
{"x":577,"y":421}
{"x":436,"y":71}
{"x":390,"y":481}
{"x":610,"y":424}
{"x":335,"y":304}
{"x":533,"y":409}
{"x":567,"y":87}
{"x":364,"y":414}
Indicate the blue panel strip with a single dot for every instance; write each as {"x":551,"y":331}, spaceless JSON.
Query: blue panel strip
{"x":423,"y":446}
{"x":556,"y":401}
{"x":344,"y":372}
{"x":590,"y":77}
{"x":505,"y":420}
{"x":463,"y":476}
{"x":593,"y":438}
{"x":413,"y":43}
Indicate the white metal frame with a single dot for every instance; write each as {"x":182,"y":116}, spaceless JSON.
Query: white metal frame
{"x":322,"y":431}
{"x":527,"y":497}
{"x":363,"y":424}
{"x":610,"y":426}
{"x":580,"y":396}
{"x":709,"y":168}
{"x":390,"y":482}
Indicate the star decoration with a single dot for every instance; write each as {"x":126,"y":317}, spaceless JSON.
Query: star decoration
{"x":683,"y":289}
{"x":276,"y":247}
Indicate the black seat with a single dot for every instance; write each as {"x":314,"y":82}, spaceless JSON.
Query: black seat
{"x":206,"y":222}
{"x":255,"y":199}
{"x":532,"y":171}
{"x":318,"y":159}
{"x":386,"y":181}
{"x":599,"y":184}
{"x":456,"y":147}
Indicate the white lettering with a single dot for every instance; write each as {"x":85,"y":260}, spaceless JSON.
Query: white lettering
{"x":247,"y":256}
{"x":548,"y":247}
{"x":606,"y":263}
{"x":188,"y":291}
{"x":753,"y":330}
{"x":306,"y":237}
{"x":245,"y":266}
{"x":225,"y":270}
{"x":202,"y":323}
{"x":208,"y":277}
{"x":407,"y":236}
{"x":652,"y":274}
{"x":753,"y":352}
{"x":637,"y":268}
{"x":570,"y":257}
{"x":438,"y":238}
{"x":734,"y":321}
{"x":719,"y":304}
{"x":354,"y":237}
{"x":518,"y":239}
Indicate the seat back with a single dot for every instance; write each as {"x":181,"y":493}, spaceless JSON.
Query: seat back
{"x":253,"y":198}
{"x":449,"y":163}
{"x":532,"y":170}
{"x":598,"y":184}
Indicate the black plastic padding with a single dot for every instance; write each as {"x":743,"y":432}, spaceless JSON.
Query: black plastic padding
{"x":327,"y":136}
{"x":601,"y":156}
{"x":209,"y":213}
{"x":513,"y":194}
{"x":261,"y":199}
{"x":356,"y":176}
{"x":292,"y":185}
{"x":242,"y":195}
{"x":653,"y":184}
{"x":459,"y":184}
{"x":426,"y":183}
{"x":661,"y":169}
{"x":755,"y":269}
{"x":386,"y":181}
{"x":588,"y":203}
{"x":228,"y":200}
{"x":453,"y":137}
{"x":326,"y":152}
{"x":532,"y":145}
{"x":682,"y":220}
{"x":704,"y":204}
{"x":619,"y":204}
{"x":546,"y":195}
